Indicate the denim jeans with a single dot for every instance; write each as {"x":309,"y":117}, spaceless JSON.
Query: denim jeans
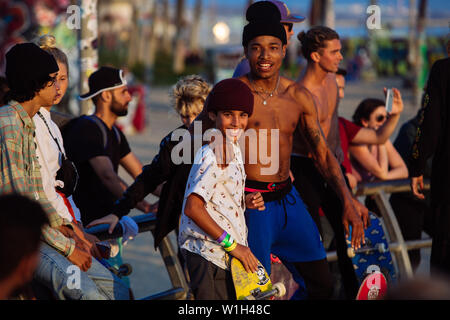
{"x":67,"y":282}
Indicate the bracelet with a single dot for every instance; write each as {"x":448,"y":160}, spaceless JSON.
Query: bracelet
{"x":231,"y":248}
{"x":222,"y":237}
{"x":227,"y":242}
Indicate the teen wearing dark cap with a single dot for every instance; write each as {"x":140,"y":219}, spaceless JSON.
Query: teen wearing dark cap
{"x":32,"y":85}
{"x":31,"y":73}
{"x":212,"y":223}
{"x":98,"y":147}
{"x":262,"y":10}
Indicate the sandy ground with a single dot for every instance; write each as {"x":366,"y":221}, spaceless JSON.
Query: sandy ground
{"x":149,"y":274}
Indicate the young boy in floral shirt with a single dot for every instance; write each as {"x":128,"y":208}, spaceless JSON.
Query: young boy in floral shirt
{"x":212,"y":224}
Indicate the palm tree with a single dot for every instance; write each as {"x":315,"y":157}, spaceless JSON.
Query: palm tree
{"x":166,"y":40}
{"x":193,"y":43}
{"x":179,"y":46}
{"x":151,"y":44}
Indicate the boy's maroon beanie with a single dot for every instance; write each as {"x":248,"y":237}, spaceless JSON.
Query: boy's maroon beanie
{"x":230,"y":94}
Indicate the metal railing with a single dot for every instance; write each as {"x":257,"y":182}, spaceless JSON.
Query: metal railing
{"x":146,"y":223}
{"x":397,"y":245}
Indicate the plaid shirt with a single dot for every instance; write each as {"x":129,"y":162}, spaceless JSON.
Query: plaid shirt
{"x":19,"y":170}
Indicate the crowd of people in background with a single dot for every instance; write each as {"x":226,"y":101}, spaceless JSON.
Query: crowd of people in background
{"x":57,"y":182}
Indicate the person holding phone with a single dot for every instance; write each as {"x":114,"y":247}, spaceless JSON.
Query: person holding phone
{"x":381,"y":161}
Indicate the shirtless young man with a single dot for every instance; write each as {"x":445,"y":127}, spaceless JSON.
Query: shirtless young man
{"x":321,"y":47}
{"x":285,"y":228}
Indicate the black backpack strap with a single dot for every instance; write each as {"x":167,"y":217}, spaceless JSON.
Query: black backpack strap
{"x":116,"y":131}
{"x":102,"y":128}
{"x":100,"y":124}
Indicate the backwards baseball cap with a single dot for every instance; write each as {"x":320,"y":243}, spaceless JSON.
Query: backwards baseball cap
{"x":286,"y":15}
{"x":272,"y":9}
{"x":105,"y":78}
{"x":26,"y":63}
{"x":230,"y":94}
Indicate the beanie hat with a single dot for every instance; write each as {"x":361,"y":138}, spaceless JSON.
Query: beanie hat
{"x":258,"y":28}
{"x":230,"y":94}
{"x":26,"y":63}
{"x":264,"y":20}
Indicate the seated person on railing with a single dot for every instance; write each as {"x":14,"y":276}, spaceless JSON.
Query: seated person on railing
{"x":188,"y":96}
{"x":371,"y":162}
{"x":352,"y":133}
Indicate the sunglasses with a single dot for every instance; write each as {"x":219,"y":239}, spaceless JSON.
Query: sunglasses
{"x":289,"y":25}
{"x":380,"y":118}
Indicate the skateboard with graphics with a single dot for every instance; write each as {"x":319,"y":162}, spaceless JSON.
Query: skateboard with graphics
{"x":373,"y":287}
{"x":254,"y":285}
{"x":374,"y":256}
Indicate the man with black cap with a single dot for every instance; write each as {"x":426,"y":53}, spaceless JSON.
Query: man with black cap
{"x":97,"y":146}
{"x":262,"y":9}
{"x":31,"y":74}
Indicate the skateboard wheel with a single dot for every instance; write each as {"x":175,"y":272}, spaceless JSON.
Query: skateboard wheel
{"x":124,"y":270}
{"x":280,"y":288}
{"x":350,"y":252}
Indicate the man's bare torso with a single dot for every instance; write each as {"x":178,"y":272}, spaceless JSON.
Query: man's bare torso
{"x":281,"y":113}
{"x":325,"y":100}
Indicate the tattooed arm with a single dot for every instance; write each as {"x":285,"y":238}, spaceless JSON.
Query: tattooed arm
{"x":328,"y":165}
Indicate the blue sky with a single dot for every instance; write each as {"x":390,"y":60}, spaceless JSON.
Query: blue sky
{"x":435,"y":6}
{"x":232,"y":12}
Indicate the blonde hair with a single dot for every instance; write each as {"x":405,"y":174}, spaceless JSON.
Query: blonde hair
{"x":48,"y":43}
{"x":189,"y":94}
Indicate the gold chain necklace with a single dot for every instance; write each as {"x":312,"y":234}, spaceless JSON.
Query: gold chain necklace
{"x":269,"y":94}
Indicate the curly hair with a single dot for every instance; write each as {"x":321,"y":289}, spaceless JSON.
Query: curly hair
{"x":188,"y":95}
{"x":314,"y":40}
{"x":29,"y":91}
{"x":48,"y":43}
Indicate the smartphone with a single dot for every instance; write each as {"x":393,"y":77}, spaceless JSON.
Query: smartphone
{"x":389,"y":100}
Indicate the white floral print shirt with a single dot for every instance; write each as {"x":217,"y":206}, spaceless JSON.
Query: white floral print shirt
{"x":222,"y":189}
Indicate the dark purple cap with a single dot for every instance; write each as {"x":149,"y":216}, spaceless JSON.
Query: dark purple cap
{"x":230,"y":94}
{"x":286,"y":15}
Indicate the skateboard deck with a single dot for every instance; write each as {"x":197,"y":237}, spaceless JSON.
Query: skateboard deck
{"x":254,"y":285}
{"x":374,"y":255}
{"x":374,"y":287}
{"x":279,"y":273}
